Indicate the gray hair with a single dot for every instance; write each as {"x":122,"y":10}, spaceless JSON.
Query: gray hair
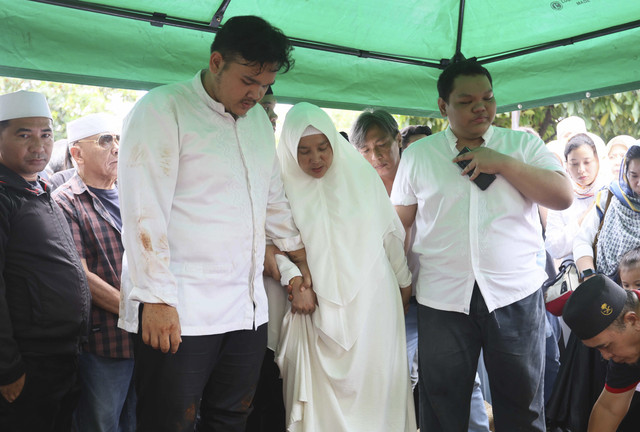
{"x":368,"y":118}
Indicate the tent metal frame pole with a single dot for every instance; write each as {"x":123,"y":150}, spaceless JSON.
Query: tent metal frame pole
{"x":217,"y":17}
{"x":457,"y":56}
{"x":160,"y":19}
{"x":563,"y":42}
{"x":157,"y":19}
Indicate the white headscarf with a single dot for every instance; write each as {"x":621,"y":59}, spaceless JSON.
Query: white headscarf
{"x":342,"y":218}
{"x":603,"y":176}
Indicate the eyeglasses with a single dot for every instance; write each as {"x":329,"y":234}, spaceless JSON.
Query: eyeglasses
{"x":106,"y":141}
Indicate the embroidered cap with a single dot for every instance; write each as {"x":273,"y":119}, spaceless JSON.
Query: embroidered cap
{"x":22,"y":104}
{"x":91,"y":124}
{"x":594,"y":305}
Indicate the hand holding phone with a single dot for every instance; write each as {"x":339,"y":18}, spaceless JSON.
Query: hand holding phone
{"x":483,"y":180}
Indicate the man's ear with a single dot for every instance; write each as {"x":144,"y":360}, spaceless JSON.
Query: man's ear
{"x":216,"y":62}
{"x":399,"y":140}
{"x":632,"y":319}
{"x":76,"y":154}
{"x":442,"y":105}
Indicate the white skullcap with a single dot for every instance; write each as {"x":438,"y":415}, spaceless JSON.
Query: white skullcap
{"x":569,"y":127}
{"x":310,"y":130}
{"x":23,"y":104}
{"x":91,"y":125}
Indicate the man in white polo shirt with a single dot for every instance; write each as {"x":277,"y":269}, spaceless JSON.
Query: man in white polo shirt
{"x":477,"y":237}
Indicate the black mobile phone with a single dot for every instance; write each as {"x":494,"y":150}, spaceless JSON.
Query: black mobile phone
{"x":483,"y":180}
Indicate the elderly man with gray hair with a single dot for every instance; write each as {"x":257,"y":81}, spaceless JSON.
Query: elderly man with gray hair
{"x":376,"y":136}
{"x":89,"y":201}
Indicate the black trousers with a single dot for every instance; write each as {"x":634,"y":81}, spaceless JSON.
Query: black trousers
{"x":268,"y":413}
{"x":211,"y":378}
{"x":50,"y":395}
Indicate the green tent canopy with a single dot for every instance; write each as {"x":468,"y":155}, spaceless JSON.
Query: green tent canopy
{"x":349,"y":53}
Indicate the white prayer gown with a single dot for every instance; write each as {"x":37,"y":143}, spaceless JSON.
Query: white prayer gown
{"x":344,"y":367}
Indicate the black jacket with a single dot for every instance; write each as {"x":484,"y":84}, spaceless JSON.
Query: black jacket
{"x":44,"y":296}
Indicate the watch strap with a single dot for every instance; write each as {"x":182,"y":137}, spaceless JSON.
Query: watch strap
{"x":586,"y":273}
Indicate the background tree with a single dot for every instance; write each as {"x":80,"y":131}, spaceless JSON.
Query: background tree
{"x":605,"y":116}
{"x":69,"y":101}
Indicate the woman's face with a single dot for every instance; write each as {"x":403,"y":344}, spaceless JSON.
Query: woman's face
{"x":616,"y":153}
{"x":315,"y":155}
{"x":582,"y":165}
{"x":633,"y":175}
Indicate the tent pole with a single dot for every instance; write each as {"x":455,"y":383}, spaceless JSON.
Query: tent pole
{"x":458,"y":54}
{"x":563,"y":42}
{"x":160,"y":19}
{"x":217,"y":17}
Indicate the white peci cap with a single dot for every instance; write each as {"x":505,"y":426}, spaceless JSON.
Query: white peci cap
{"x":91,"y":125}
{"x":23,"y":104}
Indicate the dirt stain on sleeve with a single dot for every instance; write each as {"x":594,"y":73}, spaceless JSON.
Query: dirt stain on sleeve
{"x":138,"y":154}
{"x":145,"y":240}
{"x":166,"y":161}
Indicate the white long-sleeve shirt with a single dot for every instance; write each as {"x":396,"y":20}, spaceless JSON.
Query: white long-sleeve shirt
{"x":562,"y":228}
{"x":198,"y":191}
{"x":465,"y":234}
{"x":583,"y":241}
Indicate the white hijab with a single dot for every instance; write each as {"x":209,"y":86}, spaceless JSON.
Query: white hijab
{"x":342,"y":217}
{"x":603,"y":176}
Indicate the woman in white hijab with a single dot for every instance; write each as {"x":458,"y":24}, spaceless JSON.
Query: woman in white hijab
{"x":344,"y":367}
{"x":617,"y":147}
{"x":584,"y":165}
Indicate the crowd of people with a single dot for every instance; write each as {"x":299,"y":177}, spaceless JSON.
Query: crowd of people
{"x":181,"y":272}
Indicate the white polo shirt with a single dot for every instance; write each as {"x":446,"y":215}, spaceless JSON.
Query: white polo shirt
{"x":464,"y":234}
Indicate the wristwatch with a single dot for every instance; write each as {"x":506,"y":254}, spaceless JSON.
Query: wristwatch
{"x":586,"y":273}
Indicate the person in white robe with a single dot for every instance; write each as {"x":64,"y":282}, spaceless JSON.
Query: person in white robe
{"x":344,"y":367}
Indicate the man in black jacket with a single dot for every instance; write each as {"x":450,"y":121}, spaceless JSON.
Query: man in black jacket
{"x":44,"y":298}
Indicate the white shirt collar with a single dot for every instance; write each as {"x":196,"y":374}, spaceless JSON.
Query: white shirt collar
{"x":452,"y":139}
{"x":204,"y":96}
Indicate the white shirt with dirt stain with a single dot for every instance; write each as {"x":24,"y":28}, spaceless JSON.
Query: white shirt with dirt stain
{"x":199,"y":190}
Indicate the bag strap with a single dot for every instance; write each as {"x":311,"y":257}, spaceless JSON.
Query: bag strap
{"x":595,"y":239}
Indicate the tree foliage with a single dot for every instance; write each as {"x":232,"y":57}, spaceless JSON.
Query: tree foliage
{"x":605,"y":116}
{"x":69,"y":102}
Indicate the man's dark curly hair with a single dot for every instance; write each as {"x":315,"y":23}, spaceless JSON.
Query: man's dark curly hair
{"x":254,"y":40}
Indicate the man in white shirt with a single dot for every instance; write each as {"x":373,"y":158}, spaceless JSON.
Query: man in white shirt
{"x":479,"y":281}
{"x":200,"y":189}
{"x":376,"y":136}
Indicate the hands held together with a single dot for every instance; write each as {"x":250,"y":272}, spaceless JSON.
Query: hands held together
{"x":303,"y":299}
